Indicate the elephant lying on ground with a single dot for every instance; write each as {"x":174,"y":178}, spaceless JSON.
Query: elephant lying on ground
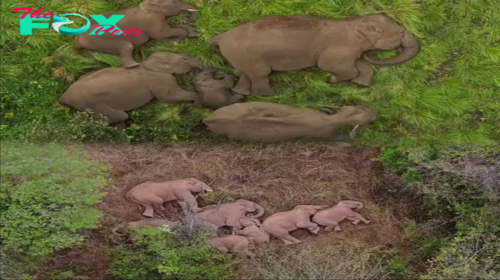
{"x":114,"y":91}
{"x":151,"y":194}
{"x":289,"y":43}
{"x":232,"y":243}
{"x":215,"y":91}
{"x":229,"y":214}
{"x":148,"y":21}
{"x":122,"y":228}
{"x":280,"y":224}
{"x":270,"y":122}
{"x":251,"y":229}
{"x":331,"y":217}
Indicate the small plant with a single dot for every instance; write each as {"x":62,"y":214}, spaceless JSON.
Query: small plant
{"x":161,"y":254}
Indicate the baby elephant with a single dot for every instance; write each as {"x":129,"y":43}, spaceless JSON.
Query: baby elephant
{"x":232,"y":243}
{"x":331,"y":217}
{"x":214,"y":90}
{"x":252,"y":231}
{"x":152,"y":195}
{"x":122,"y":228}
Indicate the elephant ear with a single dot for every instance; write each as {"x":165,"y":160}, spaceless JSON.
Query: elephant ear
{"x":368,"y":30}
{"x":150,"y":5}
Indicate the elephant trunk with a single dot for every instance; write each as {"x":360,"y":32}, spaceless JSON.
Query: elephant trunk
{"x":409,"y":46}
{"x":260,"y":212}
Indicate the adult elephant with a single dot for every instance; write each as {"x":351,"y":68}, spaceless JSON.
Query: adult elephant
{"x":289,"y":43}
{"x":114,"y":91}
{"x":229,"y":214}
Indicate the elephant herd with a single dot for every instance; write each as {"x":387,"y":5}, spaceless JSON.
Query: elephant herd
{"x":276,"y":43}
{"x":247,"y":229}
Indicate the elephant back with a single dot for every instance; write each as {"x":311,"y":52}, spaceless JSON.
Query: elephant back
{"x":262,"y":121}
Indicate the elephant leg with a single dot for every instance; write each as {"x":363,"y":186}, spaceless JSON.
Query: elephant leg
{"x":124,"y":48}
{"x":344,"y":69}
{"x":183,"y":206}
{"x":356,"y":217}
{"x":192,"y":205}
{"x":121,"y":126}
{"x":113,"y":116}
{"x":222,"y":249}
{"x":285,"y":236}
{"x":149,"y":211}
{"x":312,"y":227}
{"x":236,"y":98}
{"x":243,"y":86}
{"x":162,"y":32}
{"x":331,"y":225}
{"x":365,"y":74}
{"x":259,"y":79}
{"x":191,"y":31}
{"x":175,"y":94}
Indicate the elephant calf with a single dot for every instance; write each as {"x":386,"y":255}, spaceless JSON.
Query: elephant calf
{"x":280,"y":224}
{"x":140,"y":24}
{"x":122,"y":228}
{"x":215,"y":91}
{"x":151,"y":194}
{"x":251,"y":229}
{"x":114,"y":91}
{"x":331,"y":217}
{"x":271,"y":122}
{"x":232,"y":243}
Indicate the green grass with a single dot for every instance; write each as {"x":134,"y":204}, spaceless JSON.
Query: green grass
{"x":449,"y":94}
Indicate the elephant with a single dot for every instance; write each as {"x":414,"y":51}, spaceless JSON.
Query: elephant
{"x":149,"y":22}
{"x":271,"y":122}
{"x":114,"y":91}
{"x":332,"y":216}
{"x":123,"y":227}
{"x":232,"y":243}
{"x":214,"y":91}
{"x":251,"y":229}
{"x":290,"y":43}
{"x":229,"y":214}
{"x":154,"y":194}
{"x":280,"y":224}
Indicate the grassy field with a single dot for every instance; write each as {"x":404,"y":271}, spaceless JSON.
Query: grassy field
{"x":449,"y":94}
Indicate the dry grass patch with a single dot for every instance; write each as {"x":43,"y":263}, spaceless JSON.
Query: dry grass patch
{"x":277,"y":177}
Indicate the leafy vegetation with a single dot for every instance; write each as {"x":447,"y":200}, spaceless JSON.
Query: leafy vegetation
{"x":46,"y":196}
{"x":448,"y":94}
{"x":158,"y":253}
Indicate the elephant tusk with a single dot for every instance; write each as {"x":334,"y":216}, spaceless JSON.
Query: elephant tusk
{"x":352,"y":134}
{"x":192,"y":10}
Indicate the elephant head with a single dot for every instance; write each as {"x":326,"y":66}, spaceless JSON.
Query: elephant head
{"x":208,"y":78}
{"x":172,"y":63}
{"x":310,"y":209}
{"x":248,"y":222}
{"x":197,"y":186}
{"x":250,"y":206}
{"x":383,"y":33}
{"x":167,"y":8}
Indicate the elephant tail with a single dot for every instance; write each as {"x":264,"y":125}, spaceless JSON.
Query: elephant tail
{"x":133,"y":200}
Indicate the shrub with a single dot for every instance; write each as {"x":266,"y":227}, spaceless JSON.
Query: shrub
{"x":160,"y":254}
{"x":46,"y":197}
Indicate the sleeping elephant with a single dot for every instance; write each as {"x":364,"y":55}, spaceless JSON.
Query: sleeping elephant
{"x":152,"y":195}
{"x":215,"y":90}
{"x":140,"y":24}
{"x":280,"y":224}
{"x":229,"y":214}
{"x":344,"y":209}
{"x":114,"y":91}
{"x":270,"y":122}
{"x":289,"y":43}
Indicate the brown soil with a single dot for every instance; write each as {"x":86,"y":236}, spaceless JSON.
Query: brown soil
{"x":278,"y":177}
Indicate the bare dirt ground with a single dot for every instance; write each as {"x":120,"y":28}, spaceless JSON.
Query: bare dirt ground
{"x":278,"y":177}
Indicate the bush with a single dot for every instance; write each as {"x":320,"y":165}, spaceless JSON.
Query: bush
{"x":46,"y":194}
{"x":340,"y":262}
{"x":159,"y":254}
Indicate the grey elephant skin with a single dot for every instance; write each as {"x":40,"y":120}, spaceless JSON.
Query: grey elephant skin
{"x":344,"y":209}
{"x":271,"y":122}
{"x":122,"y":228}
{"x":290,"y":43}
{"x":215,"y":91}
{"x":251,"y":229}
{"x":229,"y":214}
{"x":114,"y":91}
{"x":148,"y":21}
{"x":152,"y":195}
{"x":280,"y":224}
